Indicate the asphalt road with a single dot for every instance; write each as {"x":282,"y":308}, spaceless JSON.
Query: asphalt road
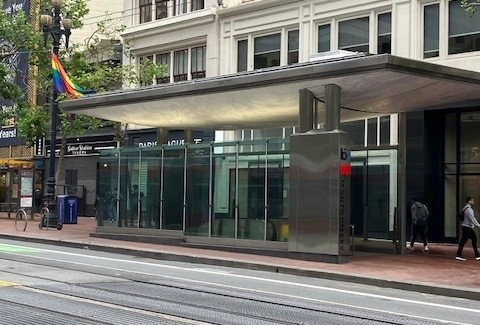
{"x":45,"y":284}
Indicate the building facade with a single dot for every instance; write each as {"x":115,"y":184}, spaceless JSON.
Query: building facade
{"x":207,"y":38}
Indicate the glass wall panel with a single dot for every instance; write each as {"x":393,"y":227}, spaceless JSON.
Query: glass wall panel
{"x":373,"y":193}
{"x":451,"y":206}
{"x":251,"y":190}
{"x":107,"y":194}
{"x":224,"y":189}
{"x":277,"y":196}
{"x":198,"y":191}
{"x":152,"y":159}
{"x":451,"y":138}
{"x":372,"y":131}
{"x":173,"y":187}
{"x":470,"y":137}
{"x":129,"y":179}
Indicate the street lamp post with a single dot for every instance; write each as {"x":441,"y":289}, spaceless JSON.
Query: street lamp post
{"x":56,"y":27}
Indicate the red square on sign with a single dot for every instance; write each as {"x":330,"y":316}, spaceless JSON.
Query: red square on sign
{"x":345,"y":169}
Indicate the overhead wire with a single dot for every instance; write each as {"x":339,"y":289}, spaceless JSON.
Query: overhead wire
{"x":107,"y":14}
{"x":351,"y":109}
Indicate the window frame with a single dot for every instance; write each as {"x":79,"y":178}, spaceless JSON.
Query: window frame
{"x":161,"y":4}
{"x":180,"y":7}
{"x":367,"y":16}
{"x":330,"y":38}
{"x":184,"y":75}
{"x":422,"y":36}
{"x":198,"y":74}
{"x":145,"y":11}
{"x":165,"y":79}
{"x":377,"y":32}
{"x":197,"y":5}
{"x":288,"y":51}
{"x":447,"y":22}
{"x":279,"y":34}
{"x":250,"y":43}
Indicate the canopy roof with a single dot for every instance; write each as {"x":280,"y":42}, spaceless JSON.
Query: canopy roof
{"x":370,"y":86}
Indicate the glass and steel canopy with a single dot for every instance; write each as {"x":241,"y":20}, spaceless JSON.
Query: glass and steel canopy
{"x":370,"y":86}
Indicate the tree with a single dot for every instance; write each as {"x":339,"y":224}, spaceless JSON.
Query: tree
{"x":470,"y":6}
{"x":91,"y":65}
{"x":16,"y":36}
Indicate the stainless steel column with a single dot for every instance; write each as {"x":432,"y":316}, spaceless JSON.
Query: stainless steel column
{"x":332,"y":107}
{"x":402,"y":181}
{"x":189,"y":136}
{"x":305,"y":110}
{"x":162,"y":136}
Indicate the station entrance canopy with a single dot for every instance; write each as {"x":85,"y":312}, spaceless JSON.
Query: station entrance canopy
{"x":370,"y":86}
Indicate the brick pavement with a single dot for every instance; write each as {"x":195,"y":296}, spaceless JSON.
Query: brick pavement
{"x":435,"y":272}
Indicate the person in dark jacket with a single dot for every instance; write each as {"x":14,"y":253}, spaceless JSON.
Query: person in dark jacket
{"x":468,"y":224}
{"x":420,"y":216}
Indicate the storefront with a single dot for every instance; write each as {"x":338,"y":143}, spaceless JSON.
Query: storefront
{"x":196,"y":177}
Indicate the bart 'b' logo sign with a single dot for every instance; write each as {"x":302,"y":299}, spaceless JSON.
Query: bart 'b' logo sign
{"x":345,"y":169}
{"x":345,"y":154}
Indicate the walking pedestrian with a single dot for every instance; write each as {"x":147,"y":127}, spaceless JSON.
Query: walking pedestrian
{"x":420,"y":216}
{"x":468,"y":224}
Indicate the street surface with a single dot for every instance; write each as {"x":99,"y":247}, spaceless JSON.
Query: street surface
{"x":46,"y":284}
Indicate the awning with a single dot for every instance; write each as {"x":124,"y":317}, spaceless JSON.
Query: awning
{"x":371,"y":86}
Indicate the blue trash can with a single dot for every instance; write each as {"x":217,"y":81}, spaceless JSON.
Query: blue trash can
{"x":67,"y":209}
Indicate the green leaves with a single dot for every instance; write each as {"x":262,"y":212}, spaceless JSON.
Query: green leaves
{"x":94,"y":64}
{"x":469,"y":6}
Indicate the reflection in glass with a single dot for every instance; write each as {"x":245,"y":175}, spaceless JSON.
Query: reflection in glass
{"x":152,"y":159}
{"x":173,"y":188}
{"x":251,"y":191}
{"x":224,"y":191}
{"x":198,"y":191}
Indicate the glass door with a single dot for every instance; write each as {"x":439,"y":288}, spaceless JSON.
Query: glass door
{"x":373,"y":198}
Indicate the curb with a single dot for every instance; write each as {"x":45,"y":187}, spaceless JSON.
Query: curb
{"x":456,"y":292}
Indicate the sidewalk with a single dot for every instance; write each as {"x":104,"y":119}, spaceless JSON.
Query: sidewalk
{"x":436,"y":272}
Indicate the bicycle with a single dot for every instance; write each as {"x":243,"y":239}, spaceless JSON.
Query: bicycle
{"x":21,"y":220}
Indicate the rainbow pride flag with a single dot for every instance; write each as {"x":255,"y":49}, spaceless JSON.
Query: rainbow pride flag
{"x":63,"y":84}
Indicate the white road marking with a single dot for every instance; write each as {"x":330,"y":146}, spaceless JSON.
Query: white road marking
{"x":219,"y":272}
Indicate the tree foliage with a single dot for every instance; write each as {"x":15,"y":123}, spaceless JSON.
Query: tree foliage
{"x":470,"y":6}
{"x":91,"y":64}
{"x":16,"y":36}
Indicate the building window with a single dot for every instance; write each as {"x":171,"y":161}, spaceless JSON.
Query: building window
{"x":163,"y":59}
{"x":198,"y":4}
{"x":354,"y":35}
{"x":431,"y":31}
{"x":198,"y":62}
{"x":384,"y":33}
{"x":180,"y":7}
{"x":463,"y":31}
{"x":161,"y":9}
{"x":267,"y":51}
{"x":324,"y":38}
{"x":242,"y":55}
{"x":292,"y":47}
{"x":145,"y":7}
{"x":142,"y":62}
{"x":180,"y":65}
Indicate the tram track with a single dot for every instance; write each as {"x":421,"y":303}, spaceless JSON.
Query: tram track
{"x":217,"y":304}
